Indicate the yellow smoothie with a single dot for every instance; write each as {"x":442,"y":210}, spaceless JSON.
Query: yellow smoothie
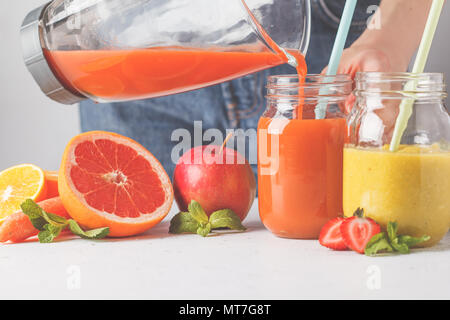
{"x":410,"y":186}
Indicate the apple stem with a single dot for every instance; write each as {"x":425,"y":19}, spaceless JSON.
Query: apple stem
{"x":225,"y":142}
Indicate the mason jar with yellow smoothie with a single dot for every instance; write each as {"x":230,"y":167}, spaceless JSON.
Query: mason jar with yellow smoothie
{"x":410,"y":185}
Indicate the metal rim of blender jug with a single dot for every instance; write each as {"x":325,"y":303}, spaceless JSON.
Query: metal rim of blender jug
{"x":37,"y":64}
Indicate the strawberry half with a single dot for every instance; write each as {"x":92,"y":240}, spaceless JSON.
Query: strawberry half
{"x":358,"y":230}
{"x":330,"y":235}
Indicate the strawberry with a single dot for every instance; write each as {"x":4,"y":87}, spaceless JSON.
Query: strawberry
{"x":330,"y":235}
{"x":358,"y":230}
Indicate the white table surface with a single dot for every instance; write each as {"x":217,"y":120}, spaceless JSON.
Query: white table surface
{"x":250,"y":265}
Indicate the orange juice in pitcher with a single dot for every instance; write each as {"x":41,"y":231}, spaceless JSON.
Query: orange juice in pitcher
{"x":120,"y":50}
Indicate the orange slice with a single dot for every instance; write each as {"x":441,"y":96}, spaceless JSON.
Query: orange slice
{"x":107,"y":180}
{"x":18,"y":183}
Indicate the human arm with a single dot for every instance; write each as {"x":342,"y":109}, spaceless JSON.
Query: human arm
{"x":389,"y":44}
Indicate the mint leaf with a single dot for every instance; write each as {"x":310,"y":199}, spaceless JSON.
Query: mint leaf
{"x":197,"y":212}
{"x":49,"y":233}
{"x":392,"y":229}
{"x":31,"y":209}
{"x":90,"y":234}
{"x":45,"y":237}
{"x":400,"y":247}
{"x":50,"y":225}
{"x":204,"y":229}
{"x":183,"y":222}
{"x":412,"y":241}
{"x":197,"y":221}
{"x":226,"y":219}
{"x":402,"y":243}
{"x":377,"y":243}
{"x":53,"y":218}
{"x":39,"y":218}
{"x":392,"y":242}
{"x":34,"y":213}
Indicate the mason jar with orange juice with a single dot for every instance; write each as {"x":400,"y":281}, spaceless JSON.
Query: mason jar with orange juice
{"x":300,"y":157}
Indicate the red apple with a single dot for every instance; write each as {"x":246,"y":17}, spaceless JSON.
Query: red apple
{"x":218,"y":178}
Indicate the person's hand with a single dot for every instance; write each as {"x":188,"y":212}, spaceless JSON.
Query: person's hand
{"x":387,"y":46}
{"x":360,"y":58}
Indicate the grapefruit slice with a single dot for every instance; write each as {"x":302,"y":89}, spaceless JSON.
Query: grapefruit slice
{"x":108,"y":180}
{"x":19,"y":183}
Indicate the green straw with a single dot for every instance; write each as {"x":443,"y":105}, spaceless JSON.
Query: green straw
{"x":338,"y":48}
{"x":406,"y":106}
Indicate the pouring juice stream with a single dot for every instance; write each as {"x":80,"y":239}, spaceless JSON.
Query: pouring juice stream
{"x":293,"y":59}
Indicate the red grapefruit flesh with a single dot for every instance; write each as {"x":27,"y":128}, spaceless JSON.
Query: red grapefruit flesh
{"x":108,"y":180}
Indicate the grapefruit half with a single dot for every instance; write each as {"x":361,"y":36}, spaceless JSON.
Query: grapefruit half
{"x":108,"y":180}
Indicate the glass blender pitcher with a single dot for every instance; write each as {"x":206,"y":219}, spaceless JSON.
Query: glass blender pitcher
{"x":118,"y":50}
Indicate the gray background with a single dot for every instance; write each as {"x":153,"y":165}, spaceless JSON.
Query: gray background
{"x":33,"y":129}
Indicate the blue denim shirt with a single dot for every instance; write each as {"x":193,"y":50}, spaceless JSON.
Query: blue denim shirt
{"x":235,"y":104}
